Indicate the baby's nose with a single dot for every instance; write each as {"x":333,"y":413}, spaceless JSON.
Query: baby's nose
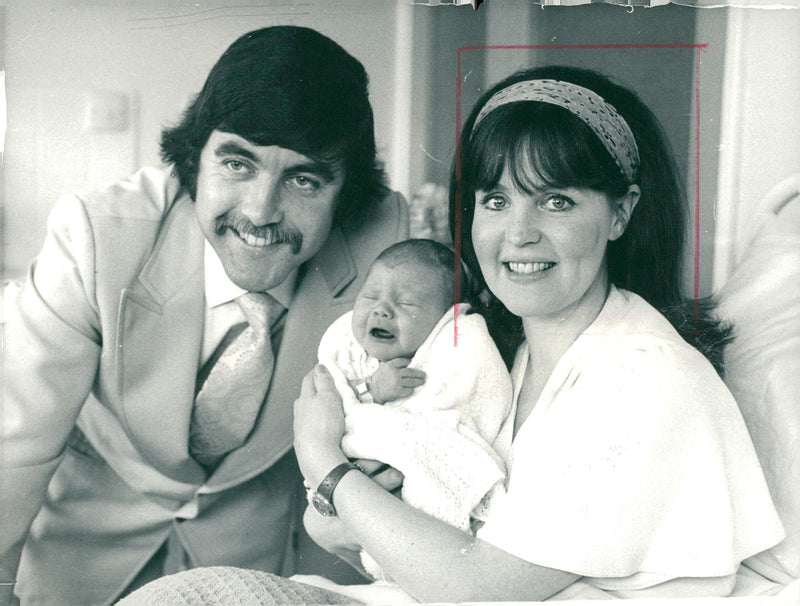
{"x":382,"y":311}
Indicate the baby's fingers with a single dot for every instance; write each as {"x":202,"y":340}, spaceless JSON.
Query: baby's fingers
{"x":414,"y":373}
{"x":399,"y":362}
{"x":412,"y":381}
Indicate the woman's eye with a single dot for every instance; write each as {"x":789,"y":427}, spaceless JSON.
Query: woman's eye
{"x":557,"y":203}
{"x":493,"y":202}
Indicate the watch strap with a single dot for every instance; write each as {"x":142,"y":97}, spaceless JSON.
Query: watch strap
{"x":330,"y":481}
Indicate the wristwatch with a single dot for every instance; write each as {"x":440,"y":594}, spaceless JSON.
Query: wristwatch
{"x":322,"y":497}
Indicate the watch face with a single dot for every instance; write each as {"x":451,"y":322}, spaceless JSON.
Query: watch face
{"x":322,"y":505}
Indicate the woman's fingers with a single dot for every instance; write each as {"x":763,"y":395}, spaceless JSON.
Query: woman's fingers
{"x":323,"y":381}
{"x":318,"y":423}
{"x":384,"y":474}
{"x":307,"y":387}
{"x":389,"y":479}
{"x":370,"y":466}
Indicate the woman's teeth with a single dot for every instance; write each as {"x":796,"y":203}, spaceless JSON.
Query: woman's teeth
{"x":528,"y":268}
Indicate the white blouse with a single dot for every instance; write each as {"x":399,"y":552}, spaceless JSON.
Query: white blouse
{"x":634,"y":469}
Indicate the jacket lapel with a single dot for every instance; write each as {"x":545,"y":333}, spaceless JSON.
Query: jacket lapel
{"x":160,"y":336}
{"x":315,"y":305}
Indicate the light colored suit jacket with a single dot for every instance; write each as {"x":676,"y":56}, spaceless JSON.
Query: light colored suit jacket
{"x":106,"y":333}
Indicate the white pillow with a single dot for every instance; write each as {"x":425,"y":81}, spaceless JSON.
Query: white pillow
{"x":762,"y":365}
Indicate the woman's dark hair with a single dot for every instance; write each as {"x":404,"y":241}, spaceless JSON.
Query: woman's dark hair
{"x":561,"y":150}
{"x":294,"y":88}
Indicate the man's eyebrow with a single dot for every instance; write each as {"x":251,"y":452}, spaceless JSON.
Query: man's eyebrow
{"x":231,"y":148}
{"x":324,"y":170}
{"x":315,"y":168}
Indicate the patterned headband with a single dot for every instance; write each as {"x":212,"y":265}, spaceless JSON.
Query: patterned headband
{"x":591,"y":108}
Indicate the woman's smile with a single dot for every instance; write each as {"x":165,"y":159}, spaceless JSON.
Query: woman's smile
{"x":528,"y":268}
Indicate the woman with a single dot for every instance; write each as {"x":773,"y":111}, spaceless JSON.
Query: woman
{"x":630,"y":470}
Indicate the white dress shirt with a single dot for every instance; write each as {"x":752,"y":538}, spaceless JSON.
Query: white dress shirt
{"x":220,"y":293}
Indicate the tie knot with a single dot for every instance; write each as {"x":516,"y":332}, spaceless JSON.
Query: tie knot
{"x":260,"y":310}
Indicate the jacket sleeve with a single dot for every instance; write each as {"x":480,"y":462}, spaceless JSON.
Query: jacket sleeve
{"x":51,"y":342}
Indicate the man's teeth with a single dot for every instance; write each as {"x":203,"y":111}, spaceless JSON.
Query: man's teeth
{"x":528,"y":268}
{"x":252,"y":240}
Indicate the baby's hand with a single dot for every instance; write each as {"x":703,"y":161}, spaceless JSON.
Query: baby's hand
{"x":394,"y":380}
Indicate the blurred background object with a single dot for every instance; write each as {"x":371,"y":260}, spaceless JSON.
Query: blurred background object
{"x":427,"y":213}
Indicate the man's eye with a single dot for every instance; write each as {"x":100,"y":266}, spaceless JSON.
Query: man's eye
{"x":557,"y":203}
{"x":304,"y":183}
{"x":236,"y":166}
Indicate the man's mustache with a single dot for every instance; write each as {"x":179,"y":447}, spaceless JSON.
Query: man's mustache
{"x":273,"y":233}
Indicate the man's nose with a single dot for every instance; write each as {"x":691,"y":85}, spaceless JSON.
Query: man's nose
{"x":262,"y":202}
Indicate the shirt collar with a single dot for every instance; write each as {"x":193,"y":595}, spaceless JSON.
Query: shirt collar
{"x":220,"y":289}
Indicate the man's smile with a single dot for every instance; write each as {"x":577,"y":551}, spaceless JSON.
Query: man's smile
{"x":260,"y":236}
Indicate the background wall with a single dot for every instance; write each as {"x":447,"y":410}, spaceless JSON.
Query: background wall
{"x":89,"y":85}
{"x":760,"y":125}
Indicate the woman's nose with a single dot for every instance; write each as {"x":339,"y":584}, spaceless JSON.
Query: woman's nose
{"x":262,"y":202}
{"x":523,"y":226}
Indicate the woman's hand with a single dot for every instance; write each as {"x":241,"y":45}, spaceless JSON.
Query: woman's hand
{"x":330,"y":533}
{"x":386,"y":476}
{"x":318,"y":426}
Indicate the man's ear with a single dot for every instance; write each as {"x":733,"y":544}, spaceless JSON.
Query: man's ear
{"x":623,"y":209}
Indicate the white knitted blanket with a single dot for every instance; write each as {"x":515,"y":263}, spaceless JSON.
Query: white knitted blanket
{"x":441,"y":436}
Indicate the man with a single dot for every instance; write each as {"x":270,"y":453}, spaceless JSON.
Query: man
{"x":117,"y":463}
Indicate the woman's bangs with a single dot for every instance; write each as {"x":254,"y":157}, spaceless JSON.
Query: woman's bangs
{"x":484,"y":166}
{"x":541,"y":145}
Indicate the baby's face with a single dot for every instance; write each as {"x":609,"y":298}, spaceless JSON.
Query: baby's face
{"x":396,"y":309}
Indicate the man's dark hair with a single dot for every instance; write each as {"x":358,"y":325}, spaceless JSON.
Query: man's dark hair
{"x":294,"y":88}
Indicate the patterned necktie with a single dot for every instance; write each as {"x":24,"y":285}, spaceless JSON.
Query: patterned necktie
{"x":230,"y":398}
